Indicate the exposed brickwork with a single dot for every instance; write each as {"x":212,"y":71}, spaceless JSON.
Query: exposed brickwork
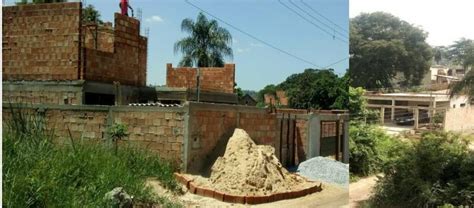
{"x":160,"y":131}
{"x":269,"y":99}
{"x":69,"y":92}
{"x":282,"y":99}
{"x":41,"y":42}
{"x":49,"y":42}
{"x":127,"y":63}
{"x":279,"y":98}
{"x":212,"y":79}
{"x":99,"y":37}
{"x":43,"y":97}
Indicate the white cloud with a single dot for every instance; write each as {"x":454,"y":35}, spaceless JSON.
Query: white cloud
{"x":154,"y":18}
{"x":445,"y":21}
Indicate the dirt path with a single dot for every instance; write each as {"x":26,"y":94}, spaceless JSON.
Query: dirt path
{"x":361,"y":190}
{"x":331,"y":196}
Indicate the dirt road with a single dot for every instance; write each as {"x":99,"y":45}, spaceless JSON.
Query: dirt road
{"x":331,"y":196}
{"x":361,"y":190}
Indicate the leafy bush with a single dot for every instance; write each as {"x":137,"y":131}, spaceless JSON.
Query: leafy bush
{"x":38,"y":173}
{"x":436,"y":171}
{"x":370,"y":148}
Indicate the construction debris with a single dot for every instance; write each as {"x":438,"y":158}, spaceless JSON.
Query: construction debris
{"x":326,"y":170}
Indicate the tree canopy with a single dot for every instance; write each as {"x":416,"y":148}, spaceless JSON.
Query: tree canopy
{"x":91,"y":15}
{"x":462,"y":52}
{"x":206,"y":45}
{"x":382,"y":46}
{"x":314,"y":88}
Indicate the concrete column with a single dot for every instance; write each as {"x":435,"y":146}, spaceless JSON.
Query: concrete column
{"x":345,"y":142}
{"x":382,"y":115}
{"x":392,"y":116}
{"x":416,"y":115}
{"x":314,"y":136}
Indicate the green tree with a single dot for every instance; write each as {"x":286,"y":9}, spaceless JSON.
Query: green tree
{"x":465,"y":86}
{"x":206,"y":45}
{"x":381,"y":45}
{"x":314,"y":88}
{"x":91,"y":15}
{"x":462,"y":52}
{"x":239,"y":92}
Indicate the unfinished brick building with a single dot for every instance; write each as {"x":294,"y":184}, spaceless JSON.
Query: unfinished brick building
{"x":216,"y":84}
{"x":51,"y":56}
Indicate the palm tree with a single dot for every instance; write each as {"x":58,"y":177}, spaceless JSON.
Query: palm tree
{"x":466,"y":85}
{"x":206,"y":45}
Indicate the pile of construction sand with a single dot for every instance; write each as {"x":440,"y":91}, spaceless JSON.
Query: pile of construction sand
{"x":250,"y":169}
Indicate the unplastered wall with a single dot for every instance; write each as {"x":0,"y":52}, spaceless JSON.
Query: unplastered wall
{"x":126,"y":63}
{"x":160,"y":130}
{"x":211,"y":125}
{"x":460,"y":119}
{"x":41,"y":41}
{"x":212,"y":79}
{"x":42,"y":92}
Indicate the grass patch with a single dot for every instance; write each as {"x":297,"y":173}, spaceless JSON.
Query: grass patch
{"x":38,"y":173}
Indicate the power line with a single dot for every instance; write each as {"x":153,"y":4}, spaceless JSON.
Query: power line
{"x":339,"y":61}
{"x":311,"y":22}
{"x":253,"y":37}
{"x":311,"y":8}
{"x":332,"y":28}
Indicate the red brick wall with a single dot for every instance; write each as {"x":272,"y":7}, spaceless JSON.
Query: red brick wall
{"x":212,"y":79}
{"x":210,"y":127}
{"x":127,"y":63}
{"x":100,"y":37}
{"x":41,"y":41}
{"x":283,"y":100}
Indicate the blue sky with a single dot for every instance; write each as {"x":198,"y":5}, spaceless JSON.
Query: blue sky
{"x":256,"y":64}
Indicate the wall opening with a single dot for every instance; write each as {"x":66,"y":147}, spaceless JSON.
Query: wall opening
{"x":99,"y":99}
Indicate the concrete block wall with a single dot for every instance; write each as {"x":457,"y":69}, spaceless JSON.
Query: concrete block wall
{"x":126,"y":63}
{"x":67,"y":92}
{"x":160,"y":130}
{"x":41,"y":41}
{"x":212,"y":79}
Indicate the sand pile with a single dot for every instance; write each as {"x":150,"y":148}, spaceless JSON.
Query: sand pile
{"x":250,"y":169}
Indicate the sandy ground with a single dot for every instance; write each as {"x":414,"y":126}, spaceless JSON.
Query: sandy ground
{"x":361,"y":190}
{"x":331,"y":196}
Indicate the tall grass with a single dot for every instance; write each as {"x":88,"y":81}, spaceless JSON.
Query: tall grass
{"x":38,"y":173}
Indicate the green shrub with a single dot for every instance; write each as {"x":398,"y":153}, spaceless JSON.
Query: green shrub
{"x":436,"y":171}
{"x":38,"y":173}
{"x":370,"y":148}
